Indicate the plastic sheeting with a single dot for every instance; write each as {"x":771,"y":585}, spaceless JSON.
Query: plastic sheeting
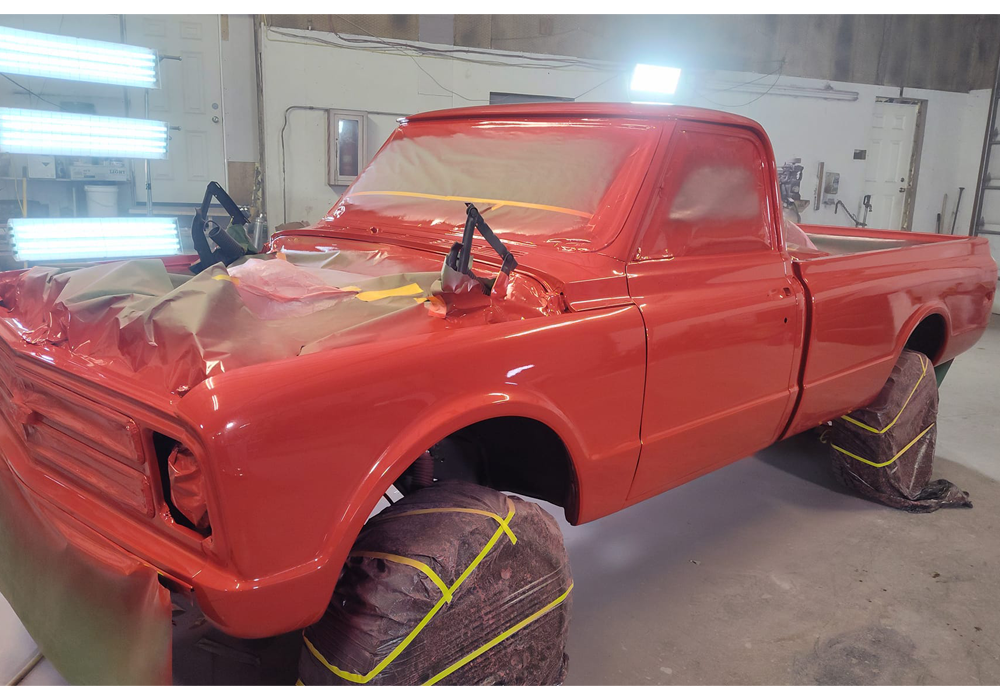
{"x":187,"y":487}
{"x":456,"y":584}
{"x":885,"y":451}
{"x":173,"y":331}
{"x":97,"y":613}
{"x":797,"y":240}
{"x":543,"y":182}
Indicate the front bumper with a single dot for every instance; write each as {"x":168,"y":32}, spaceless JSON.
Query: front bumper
{"x":47,"y":522}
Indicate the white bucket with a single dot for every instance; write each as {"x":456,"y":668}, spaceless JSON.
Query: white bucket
{"x":102,"y":200}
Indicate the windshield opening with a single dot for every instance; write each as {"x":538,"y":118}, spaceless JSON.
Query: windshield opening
{"x":539,"y":182}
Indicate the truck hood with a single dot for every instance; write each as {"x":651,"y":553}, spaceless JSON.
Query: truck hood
{"x":173,"y":331}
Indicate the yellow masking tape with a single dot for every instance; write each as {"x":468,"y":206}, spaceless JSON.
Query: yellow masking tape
{"x":923,"y":364}
{"x":488,"y":514}
{"x":449,"y":198}
{"x":359,"y":678}
{"x":410,"y":290}
{"x":419,"y":565}
{"x":894,"y":458}
{"x":500,"y":637}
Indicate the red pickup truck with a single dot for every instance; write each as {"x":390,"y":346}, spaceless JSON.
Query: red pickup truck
{"x":639,"y":316}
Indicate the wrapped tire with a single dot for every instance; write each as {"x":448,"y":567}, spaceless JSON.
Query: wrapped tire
{"x":885,"y":451}
{"x":455,"y":584}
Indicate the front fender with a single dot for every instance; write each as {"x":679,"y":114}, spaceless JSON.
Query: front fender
{"x":462,"y":411}
{"x":298,"y":451}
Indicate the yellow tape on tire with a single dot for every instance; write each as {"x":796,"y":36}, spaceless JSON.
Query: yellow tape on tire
{"x":446,"y":596}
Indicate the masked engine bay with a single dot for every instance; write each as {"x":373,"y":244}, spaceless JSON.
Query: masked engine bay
{"x":172,"y":331}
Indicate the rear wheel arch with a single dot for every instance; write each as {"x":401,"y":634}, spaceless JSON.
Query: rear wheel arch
{"x":929,"y":336}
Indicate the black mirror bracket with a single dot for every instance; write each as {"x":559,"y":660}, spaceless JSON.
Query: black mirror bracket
{"x":460,"y":256}
{"x":203,"y":228}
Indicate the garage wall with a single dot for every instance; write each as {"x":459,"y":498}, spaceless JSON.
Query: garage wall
{"x":239,"y":103}
{"x":818,"y":130}
{"x":108,"y":100}
{"x":937,"y":52}
{"x":238,"y":92}
{"x":298,"y":71}
{"x":304,"y":75}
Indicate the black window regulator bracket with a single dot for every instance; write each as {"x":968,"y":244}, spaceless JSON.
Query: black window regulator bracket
{"x":203,"y":228}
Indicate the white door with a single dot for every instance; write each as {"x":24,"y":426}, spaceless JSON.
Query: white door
{"x":887,"y":171}
{"x":189,"y":97}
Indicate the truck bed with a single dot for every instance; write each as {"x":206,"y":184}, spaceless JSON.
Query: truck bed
{"x":867,"y":292}
{"x":837,"y":240}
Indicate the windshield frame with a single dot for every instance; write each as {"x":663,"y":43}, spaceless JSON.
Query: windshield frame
{"x":607,"y":220}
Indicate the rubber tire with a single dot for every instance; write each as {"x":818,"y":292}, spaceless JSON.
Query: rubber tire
{"x":379,"y":601}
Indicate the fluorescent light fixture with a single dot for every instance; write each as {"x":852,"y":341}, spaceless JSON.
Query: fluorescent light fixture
{"x":65,"y":134}
{"x":661,"y":80}
{"x":45,"y":240}
{"x":69,"y":58}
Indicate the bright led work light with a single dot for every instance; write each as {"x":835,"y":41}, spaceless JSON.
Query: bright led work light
{"x":40,"y":240}
{"x":69,"y":58}
{"x":64,"y":134}
{"x":661,"y":80}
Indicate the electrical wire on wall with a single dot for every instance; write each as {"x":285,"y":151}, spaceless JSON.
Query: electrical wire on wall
{"x":284,"y":125}
{"x":601,"y":84}
{"x":402,"y":48}
{"x":34,"y":94}
{"x":379,"y":45}
{"x":778,"y":71}
{"x":281,"y":150}
{"x":465,"y":54}
{"x":30,"y":92}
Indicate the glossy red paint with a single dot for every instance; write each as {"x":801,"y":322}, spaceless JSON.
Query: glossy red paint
{"x":723,"y":311}
{"x":651,"y":370}
{"x":864,"y":306}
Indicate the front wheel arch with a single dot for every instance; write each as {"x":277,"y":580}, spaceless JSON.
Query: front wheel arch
{"x":509,"y":453}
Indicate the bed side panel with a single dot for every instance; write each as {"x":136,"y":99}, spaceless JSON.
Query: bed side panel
{"x":865,"y":306}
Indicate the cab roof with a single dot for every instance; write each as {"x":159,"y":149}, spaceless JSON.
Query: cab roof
{"x":579,"y":110}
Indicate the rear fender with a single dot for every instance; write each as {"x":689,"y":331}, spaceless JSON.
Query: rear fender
{"x":916,"y":318}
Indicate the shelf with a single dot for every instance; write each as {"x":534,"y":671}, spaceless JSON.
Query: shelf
{"x":68,"y":179}
{"x":175,"y":210}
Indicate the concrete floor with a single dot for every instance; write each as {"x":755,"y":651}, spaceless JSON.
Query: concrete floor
{"x":768,"y":572}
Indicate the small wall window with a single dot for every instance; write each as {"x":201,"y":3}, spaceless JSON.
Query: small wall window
{"x":347,"y":146}
{"x":712,"y":199}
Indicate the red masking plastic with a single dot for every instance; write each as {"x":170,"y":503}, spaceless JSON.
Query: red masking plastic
{"x":187,"y":486}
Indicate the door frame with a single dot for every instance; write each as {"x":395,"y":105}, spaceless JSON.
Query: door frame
{"x":909,"y":201}
{"x":137,"y":107}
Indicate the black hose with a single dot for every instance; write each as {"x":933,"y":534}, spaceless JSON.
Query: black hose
{"x":840,"y":204}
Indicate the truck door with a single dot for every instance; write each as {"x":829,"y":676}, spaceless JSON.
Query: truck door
{"x":722,"y":309}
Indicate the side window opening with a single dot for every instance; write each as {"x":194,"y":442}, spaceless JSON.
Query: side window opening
{"x":712,"y":199}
